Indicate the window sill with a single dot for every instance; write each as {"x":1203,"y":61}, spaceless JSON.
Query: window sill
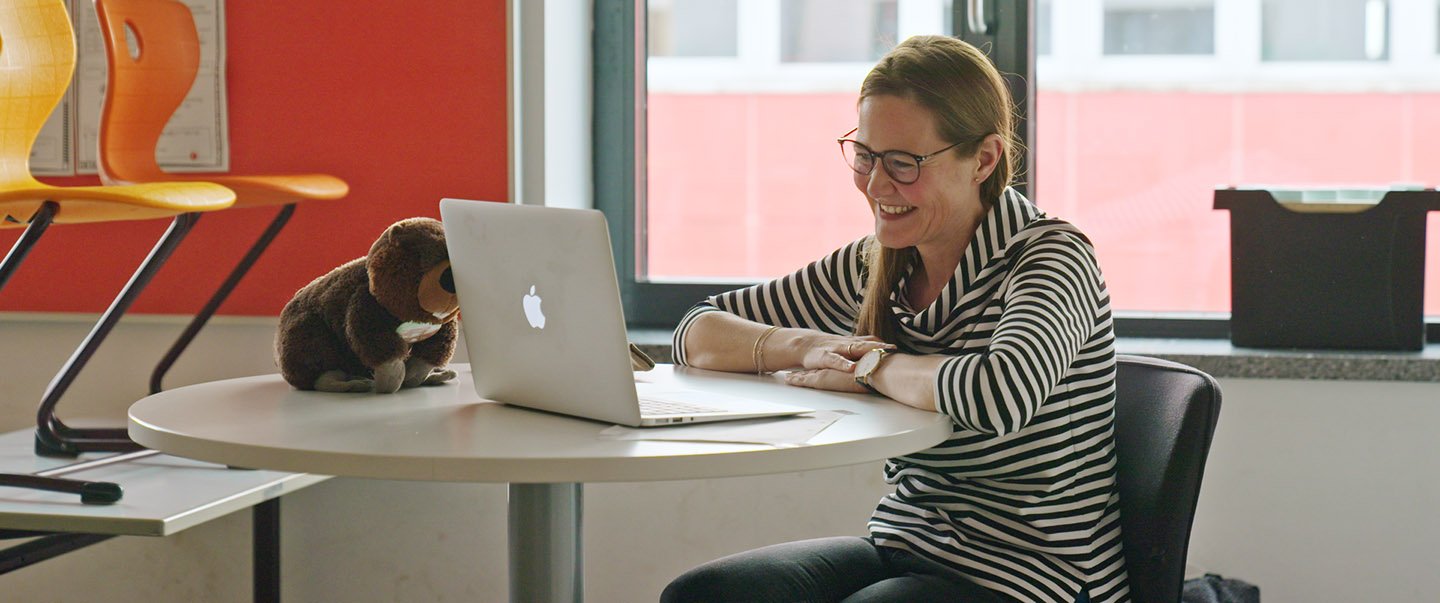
{"x":1222,"y":360}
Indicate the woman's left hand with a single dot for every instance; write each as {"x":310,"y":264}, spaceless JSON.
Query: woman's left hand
{"x":827,"y":379}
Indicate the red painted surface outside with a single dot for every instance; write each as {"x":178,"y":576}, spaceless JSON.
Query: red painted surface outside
{"x":752,"y":186}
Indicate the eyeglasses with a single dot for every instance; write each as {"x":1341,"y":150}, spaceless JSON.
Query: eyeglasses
{"x":902,"y":166}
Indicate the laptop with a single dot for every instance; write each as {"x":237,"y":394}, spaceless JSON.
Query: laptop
{"x":541,"y":316}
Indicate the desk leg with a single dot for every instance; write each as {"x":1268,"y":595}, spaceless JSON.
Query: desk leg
{"x":266,"y":550}
{"x":545,"y":553}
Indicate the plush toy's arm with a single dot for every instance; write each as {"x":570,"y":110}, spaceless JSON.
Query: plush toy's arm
{"x":370,"y":331}
{"x":437,"y":348}
{"x":430,"y":353}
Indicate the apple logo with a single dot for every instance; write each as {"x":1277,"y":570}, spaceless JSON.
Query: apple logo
{"x":531,"y":302}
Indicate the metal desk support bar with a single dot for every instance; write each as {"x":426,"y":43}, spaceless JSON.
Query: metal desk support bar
{"x":47,"y":546}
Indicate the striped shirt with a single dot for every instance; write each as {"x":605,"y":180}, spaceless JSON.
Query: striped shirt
{"x":1022,"y":497}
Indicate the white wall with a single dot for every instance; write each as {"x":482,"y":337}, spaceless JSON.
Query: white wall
{"x":1324,"y":491}
{"x":1317,"y":491}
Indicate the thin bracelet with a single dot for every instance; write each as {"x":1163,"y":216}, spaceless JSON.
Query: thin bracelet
{"x":759,"y":353}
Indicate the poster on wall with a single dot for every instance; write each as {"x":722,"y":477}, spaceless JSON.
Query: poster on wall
{"x":196,"y":139}
{"x":51,"y":155}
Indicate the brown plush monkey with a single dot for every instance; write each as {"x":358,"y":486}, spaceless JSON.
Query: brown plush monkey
{"x":377,"y":323}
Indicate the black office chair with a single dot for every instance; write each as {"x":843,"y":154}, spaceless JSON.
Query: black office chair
{"x":1165,"y":415}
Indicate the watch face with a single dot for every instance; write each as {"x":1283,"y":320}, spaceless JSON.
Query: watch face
{"x":867,"y":363}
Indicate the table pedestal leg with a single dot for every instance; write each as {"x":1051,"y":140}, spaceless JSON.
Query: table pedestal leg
{"x":545,"y":528}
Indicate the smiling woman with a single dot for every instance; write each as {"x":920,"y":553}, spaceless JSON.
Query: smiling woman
{"x":968,"y":301}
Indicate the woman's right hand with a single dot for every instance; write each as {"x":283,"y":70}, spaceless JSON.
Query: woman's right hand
{"x":838,"y":352}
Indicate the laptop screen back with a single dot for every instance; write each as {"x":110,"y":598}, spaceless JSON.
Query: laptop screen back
{"x":540,"y":308}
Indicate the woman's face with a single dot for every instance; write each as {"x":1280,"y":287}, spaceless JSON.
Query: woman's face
{"x":942,"y":207}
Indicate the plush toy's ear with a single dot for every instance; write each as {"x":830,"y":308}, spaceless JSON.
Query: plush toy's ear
{"x":386,"y":240}
{"x":408,"y":271}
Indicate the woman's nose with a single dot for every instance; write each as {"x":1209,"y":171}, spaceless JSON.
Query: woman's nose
{"x":878,"y":182}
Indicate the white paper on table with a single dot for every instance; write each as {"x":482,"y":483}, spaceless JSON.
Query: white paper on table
{"x":773,"y":431}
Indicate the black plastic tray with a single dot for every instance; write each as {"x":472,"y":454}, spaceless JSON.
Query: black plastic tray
{"x":1329,"y":277}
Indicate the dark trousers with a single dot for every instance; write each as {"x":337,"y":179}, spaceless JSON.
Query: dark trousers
{"x":848,"y":569}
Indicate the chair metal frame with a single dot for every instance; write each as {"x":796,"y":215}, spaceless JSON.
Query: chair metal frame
{"x":39,"y":44}
{"x":206,"y":312}
{"x":52,"y":436}
{"x":149,"y":86}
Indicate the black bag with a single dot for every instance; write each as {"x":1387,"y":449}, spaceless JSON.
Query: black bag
{"x":1213,"y":588}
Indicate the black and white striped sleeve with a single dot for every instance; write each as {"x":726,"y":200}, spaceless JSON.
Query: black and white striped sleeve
{"x":1050,"y":311}
{"x":824,"y":295}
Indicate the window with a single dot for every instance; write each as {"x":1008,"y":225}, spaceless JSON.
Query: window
{"x":684,"y":28}
{"x":1132,"y":149}
{"x":825,"y":31}
{"x":1043,"y":10}
{"x":1325,"y":30}
{"x":1142,"y":108}
{"x":1159,"y":27}
{"x":741,"y":179}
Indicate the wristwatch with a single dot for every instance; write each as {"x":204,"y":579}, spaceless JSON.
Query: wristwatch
{"x":866,"y":365}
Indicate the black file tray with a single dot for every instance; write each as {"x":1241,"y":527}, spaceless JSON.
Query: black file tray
{"x":1337,"y":275}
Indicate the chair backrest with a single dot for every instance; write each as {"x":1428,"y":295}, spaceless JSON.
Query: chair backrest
{"x":143,"y":89}
{"x":1165,"y":415}
{"x":37,"y":58}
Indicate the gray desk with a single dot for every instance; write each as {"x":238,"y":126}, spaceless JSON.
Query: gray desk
{"x":163,"y":495}
{"x":447,"y":433}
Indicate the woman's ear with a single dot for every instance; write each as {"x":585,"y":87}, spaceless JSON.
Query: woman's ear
{"x":987,"y":157}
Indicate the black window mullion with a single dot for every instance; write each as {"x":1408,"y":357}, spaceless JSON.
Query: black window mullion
{"x":618,"y":58}
{"x":619,"y":139}
{"x":1009,"y":41}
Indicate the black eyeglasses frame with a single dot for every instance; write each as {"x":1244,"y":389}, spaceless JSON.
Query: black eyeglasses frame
{"x":883,"y":155}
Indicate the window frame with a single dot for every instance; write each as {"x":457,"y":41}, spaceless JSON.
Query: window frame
{"x":619,"y":133}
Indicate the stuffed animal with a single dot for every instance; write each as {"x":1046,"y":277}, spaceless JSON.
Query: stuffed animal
{"x":378,"y":323}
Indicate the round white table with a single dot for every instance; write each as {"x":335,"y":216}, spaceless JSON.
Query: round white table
{"x":447,"y":433}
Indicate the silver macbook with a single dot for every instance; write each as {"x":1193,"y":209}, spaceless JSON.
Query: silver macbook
{"x":541,"y":316}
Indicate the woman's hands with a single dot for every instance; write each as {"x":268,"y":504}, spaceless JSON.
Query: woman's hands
{"x":828,"y":362}
{"x":722,"y":341}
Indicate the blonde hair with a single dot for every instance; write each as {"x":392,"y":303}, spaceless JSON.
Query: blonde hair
{"x":970,"y":101}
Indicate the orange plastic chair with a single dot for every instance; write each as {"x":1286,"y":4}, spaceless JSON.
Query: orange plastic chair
{"x":142,"y":93}
{"x":37,"y":58}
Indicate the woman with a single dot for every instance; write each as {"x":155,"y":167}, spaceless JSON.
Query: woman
{"x":966,"y":301}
